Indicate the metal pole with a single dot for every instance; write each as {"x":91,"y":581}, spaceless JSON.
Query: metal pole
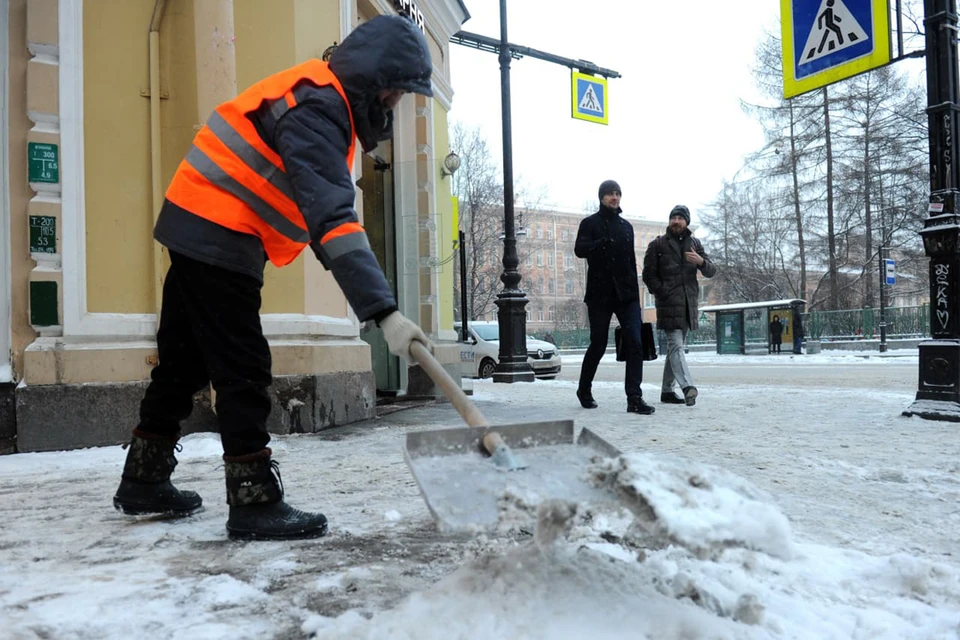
{"x":938,"y":393}
{"x":899,"y":29}
{"x":463,"y":287}
{"x":883,"y":300}
{"x":511,"y":302}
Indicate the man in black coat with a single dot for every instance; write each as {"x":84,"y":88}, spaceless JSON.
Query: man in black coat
{"x":606,"y":241}
{"x":670,"y":268}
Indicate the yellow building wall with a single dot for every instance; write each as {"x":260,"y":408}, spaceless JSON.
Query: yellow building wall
{"x":179,"y":112}
{"x":270,"y":37}
{"x":19,"y":191}
{"x":119,"y":220}
{"x":446,"y":233}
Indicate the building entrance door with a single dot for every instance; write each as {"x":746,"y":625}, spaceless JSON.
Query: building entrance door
{"x":378,"y":220}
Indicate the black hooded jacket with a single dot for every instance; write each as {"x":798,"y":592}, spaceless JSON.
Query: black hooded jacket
{"x":312,"y":139}
{"x":606,"y":241}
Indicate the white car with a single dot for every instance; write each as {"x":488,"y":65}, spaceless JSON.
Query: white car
{"x":544,"y":358}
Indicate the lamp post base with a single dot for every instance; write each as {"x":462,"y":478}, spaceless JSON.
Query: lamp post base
{"x":938,"y":395}
{"x":943,"y":410}
{"x":512,"y":315}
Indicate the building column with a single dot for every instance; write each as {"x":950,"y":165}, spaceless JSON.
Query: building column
{"x":43,"y":166}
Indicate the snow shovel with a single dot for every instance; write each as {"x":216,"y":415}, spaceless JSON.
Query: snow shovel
{"x":483,"y":477}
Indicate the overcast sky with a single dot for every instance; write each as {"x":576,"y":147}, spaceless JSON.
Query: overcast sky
{"x":676,"y":127}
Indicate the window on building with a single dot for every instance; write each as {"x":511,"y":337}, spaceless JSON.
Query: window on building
{"x":550,"y":286}
{"x":540,"y":315}
{"x":568,"y":287}
{"x":550,"y":258}
{"x":564,"y":235}
{"x":529,"y":315}
{"x":539,"y":233}
{"x":539,"y":285}
{"x":550,"y":314}
{"x":567,"y":261}
{"x":528,"y":260}
{"x":549,"y":234}
{"x":649,"y":302}
{"x":539,"y":259}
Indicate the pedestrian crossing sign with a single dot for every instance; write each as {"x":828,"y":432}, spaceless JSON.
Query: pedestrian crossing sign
{"x":825,"y":41}
{"x":589,"y":96}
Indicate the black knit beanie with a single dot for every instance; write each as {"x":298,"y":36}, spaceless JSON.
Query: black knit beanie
{"x":681,"y":210}
{"x":609,"y":186}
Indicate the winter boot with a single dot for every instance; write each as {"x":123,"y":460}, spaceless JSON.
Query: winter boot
{"x":669,"y":397}
{"x":257,"y":509}
{"x":690,"y":395}
{"x":635,"y":404}
{"x":145,"y":485}
{"x":586,"y":399}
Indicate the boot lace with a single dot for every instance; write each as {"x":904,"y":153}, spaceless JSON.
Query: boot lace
{"x":275,"y":468}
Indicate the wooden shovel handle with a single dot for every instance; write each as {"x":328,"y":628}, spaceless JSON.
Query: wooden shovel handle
{"x":467,"y":410}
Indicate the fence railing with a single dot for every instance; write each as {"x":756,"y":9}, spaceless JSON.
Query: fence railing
{"x":848,"y":324}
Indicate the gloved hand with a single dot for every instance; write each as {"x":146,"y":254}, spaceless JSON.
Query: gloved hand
{"x":400,"y":333}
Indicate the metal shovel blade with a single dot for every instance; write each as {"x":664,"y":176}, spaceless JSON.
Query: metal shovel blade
{"x":466,"y":491}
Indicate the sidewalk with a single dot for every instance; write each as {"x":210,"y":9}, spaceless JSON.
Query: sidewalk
{"x":870,"y":496}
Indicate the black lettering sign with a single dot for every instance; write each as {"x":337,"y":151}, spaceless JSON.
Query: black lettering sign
{"x":409,"y":9}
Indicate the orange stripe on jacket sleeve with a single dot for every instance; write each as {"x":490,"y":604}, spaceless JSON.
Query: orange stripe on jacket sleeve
{"x":291,"y":101}
{"x":345,"y":229}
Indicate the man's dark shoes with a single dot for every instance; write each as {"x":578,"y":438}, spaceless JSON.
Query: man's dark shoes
{"x":671,"y":398}
{"x":635,"y":404}
{"x":690,"y":396}
{"x":586,"y":399}
{"x":145,"y":487}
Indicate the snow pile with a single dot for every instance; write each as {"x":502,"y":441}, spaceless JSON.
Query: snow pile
{"x":700,"y":507}
{"x":709,"y":555}
{"x":588,"y":588}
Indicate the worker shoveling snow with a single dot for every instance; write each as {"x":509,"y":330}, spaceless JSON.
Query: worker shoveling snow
{"x":708,"y":555}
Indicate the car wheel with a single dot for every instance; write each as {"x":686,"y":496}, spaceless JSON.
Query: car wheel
{"x":487,"y":367}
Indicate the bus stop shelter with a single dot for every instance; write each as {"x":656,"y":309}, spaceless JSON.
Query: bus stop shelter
{"x":745,"y":326}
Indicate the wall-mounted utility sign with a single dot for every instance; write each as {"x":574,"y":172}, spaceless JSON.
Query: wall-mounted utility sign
{"x":589,"y":96}
{"x":43,"y":234}
{"x":43,"y":161}
{"x":828,"y":40}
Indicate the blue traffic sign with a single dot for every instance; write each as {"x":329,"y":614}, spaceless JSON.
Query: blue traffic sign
{"x":828,"y":40}
{"x":589,"y":97}
{"x":889,"y":271}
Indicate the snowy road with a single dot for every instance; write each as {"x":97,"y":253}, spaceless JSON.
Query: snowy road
{"x":872,"y":499}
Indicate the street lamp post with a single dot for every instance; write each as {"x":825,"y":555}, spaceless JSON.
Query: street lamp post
{"x":511,"y":302}
{"x":938,"y":395}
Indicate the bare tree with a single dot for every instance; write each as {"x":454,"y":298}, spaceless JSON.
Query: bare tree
{"x":479,"y":187}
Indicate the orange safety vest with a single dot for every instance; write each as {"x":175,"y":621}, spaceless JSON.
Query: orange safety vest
{"x":233,"y":178}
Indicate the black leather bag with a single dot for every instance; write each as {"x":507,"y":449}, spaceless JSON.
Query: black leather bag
{"x":649,"y":344}
{"x":646,"y":337}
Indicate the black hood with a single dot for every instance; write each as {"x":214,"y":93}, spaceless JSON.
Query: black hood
{"x":387,"y":52}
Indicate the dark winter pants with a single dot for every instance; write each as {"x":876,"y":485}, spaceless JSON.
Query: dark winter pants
{"x":599,"y":314}
{"x":210,"y":332}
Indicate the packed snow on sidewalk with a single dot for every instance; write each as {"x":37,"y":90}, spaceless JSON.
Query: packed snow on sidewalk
{"x":763,"y":512}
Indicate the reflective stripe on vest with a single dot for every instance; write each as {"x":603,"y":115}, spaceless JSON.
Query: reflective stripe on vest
{"x":233,"y":178}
